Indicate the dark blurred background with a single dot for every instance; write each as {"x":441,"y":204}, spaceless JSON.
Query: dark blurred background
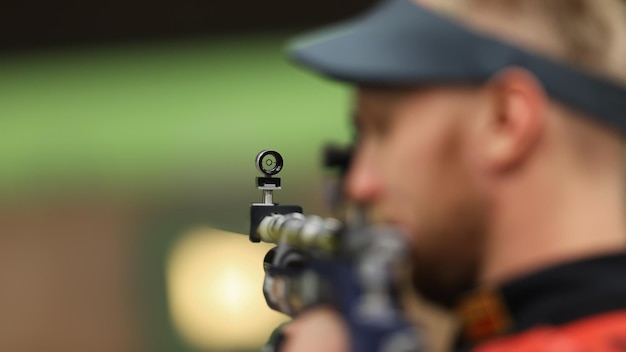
{"x":29,"y":24}
{"x":127,"y":145}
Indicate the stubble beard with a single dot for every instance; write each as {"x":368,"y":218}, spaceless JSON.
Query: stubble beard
{"x":449,"y":266}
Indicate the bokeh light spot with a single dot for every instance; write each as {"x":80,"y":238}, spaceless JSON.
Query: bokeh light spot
{"x":214,"y":282}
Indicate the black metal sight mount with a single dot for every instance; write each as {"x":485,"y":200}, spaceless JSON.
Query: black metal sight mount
{"x":269,"y":163}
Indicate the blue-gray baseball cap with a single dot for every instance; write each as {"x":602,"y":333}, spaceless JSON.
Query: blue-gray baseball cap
{"x":400,"y":43}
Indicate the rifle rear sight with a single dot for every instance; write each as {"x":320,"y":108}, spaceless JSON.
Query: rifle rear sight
{"x":269,"y":163}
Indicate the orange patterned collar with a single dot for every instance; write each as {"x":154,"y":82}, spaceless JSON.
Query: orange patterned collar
{"x":483,"y":315}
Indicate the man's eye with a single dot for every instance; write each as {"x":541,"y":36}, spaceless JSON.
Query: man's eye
{"x":375,"y":127}
{"x":381,"y":127}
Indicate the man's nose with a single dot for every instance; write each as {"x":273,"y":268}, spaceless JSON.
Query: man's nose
{"x":363,"y":183}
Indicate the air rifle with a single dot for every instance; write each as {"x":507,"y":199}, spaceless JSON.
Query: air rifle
{"x":348,"y":265}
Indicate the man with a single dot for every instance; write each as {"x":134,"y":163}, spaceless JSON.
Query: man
{"x":491,"y":133}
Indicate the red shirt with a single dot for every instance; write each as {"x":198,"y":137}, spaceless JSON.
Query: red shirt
{"x":602,"y":333}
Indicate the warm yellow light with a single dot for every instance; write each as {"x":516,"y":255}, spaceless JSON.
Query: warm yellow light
{"x":214,"y":282}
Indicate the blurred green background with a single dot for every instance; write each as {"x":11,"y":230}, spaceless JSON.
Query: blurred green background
{"x":119,"y":161}
{"x":149,"y":118}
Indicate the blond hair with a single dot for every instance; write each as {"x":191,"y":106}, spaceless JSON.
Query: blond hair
{"x":589,"y":34}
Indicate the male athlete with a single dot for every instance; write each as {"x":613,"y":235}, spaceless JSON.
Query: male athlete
{"x":491,"y":132}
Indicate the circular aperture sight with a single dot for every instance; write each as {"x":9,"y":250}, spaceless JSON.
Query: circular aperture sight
{"x":269,"y":162}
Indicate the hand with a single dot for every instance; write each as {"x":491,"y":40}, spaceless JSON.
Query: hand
{"x":320,"y":329}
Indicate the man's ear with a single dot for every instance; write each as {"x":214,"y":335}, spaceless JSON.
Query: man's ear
{"x":516,"y":120}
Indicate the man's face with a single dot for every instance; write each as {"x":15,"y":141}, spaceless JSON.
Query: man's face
{"x":414,"y":168}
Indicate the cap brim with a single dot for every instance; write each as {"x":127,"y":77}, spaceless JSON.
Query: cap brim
{"x":402,"y":43}
{"x":398,"y":42}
